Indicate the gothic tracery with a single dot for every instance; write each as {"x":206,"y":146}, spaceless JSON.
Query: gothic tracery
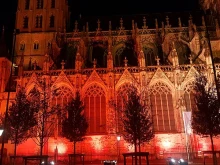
{"x":162,"y":108}
{"x":95,"y":109}
{"x":164,"y":73}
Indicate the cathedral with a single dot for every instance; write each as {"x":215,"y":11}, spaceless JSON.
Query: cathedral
{"x":100,"y":57}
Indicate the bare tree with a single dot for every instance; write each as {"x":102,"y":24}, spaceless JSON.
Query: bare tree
{"x":46,"y":115}
{"x":206,"y":116}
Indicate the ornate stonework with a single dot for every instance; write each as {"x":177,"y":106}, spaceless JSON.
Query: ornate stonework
{"x":161,"y":61}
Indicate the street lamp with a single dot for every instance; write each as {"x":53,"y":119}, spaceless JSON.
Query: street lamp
{"x":1,"y":131}
{"x":118,"y":144}
{"x":16,"y":31}
{"x":118,"y":138}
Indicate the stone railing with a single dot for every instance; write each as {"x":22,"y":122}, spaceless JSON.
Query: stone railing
{"x":120,"y":70}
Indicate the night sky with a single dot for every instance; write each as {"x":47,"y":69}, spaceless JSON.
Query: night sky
{"x":103,"y":8}
{"x":118,"y":7}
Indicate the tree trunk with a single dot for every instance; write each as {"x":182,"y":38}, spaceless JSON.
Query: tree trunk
{"x":135,"y":150}
{"x":15,"y":147}
{"x":74,"y":152}
{"x":213,"y":151}
{"x":41,"y":146}
{"x":139,"y":145}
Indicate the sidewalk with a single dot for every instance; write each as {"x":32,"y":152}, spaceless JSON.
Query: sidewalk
{"x":151,"y":162}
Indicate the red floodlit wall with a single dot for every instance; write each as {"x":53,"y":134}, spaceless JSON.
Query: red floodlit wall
{"x":108,"y":147}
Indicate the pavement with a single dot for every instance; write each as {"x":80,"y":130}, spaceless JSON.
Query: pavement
{"x":151,"y":162}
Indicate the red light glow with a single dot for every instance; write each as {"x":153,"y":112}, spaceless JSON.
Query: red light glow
{"x":166,"y":144}
{"x":61,"y":145}
{"x":96,"y":143}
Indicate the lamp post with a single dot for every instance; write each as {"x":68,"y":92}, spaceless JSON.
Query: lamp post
{"x":118,"y":145}
{"x":1,"y":131}
{"x":16,"y":31}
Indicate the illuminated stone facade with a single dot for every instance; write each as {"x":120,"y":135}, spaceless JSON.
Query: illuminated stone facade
{"x":161,"y":61}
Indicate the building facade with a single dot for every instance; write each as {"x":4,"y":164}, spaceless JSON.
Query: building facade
{"x":160,"y":58}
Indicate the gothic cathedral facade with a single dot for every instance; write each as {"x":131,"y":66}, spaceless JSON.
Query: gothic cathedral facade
{"x":161,"y":59}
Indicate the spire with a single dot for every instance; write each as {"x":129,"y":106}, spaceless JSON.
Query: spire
{"x":121,"y":24}
{"x":167,"y":22}
{"x":110,"y":28}
{"x":62,"y":64}
{"x":158,"y":60}
{"x":94,"y":63}
{"x":76,"y":27}
{"x":179,"y":22}
{"x":125,"y":62}
{"x":144,"y":23}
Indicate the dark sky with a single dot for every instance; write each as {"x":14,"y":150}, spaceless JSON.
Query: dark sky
{"x":115,"y":7}
{"x":104,"y":8}
{"x":108,"y":7}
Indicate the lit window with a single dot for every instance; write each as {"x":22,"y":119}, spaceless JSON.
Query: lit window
{"x":189,"y":99}
{"x":121,"y":94}
{"x":95,"y":109}
{"x":65,"y":95}
{"x":162,"y":108}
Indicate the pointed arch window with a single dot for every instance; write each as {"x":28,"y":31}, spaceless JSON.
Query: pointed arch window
{"x":36,"y":45}
{"x":39,"y":20}
{"x":22,"y":46}
{"x":162,"y":108}
{"x":189,"y":98}
{"x":25,"y":22}
{"x":95,"y":109}
{"x":52,"y":20}
{"x":40,"y":4}
{"x":118,"y":60}
{"x":98,"y":53}
{"x":121,"y":94}
{"x":150,"y":56}
{"x":49,"y":45}
{"x":65,"y":96}
{"x":53,"y":3}
{"x":27,"y":4}
{"x":126,"y":50}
